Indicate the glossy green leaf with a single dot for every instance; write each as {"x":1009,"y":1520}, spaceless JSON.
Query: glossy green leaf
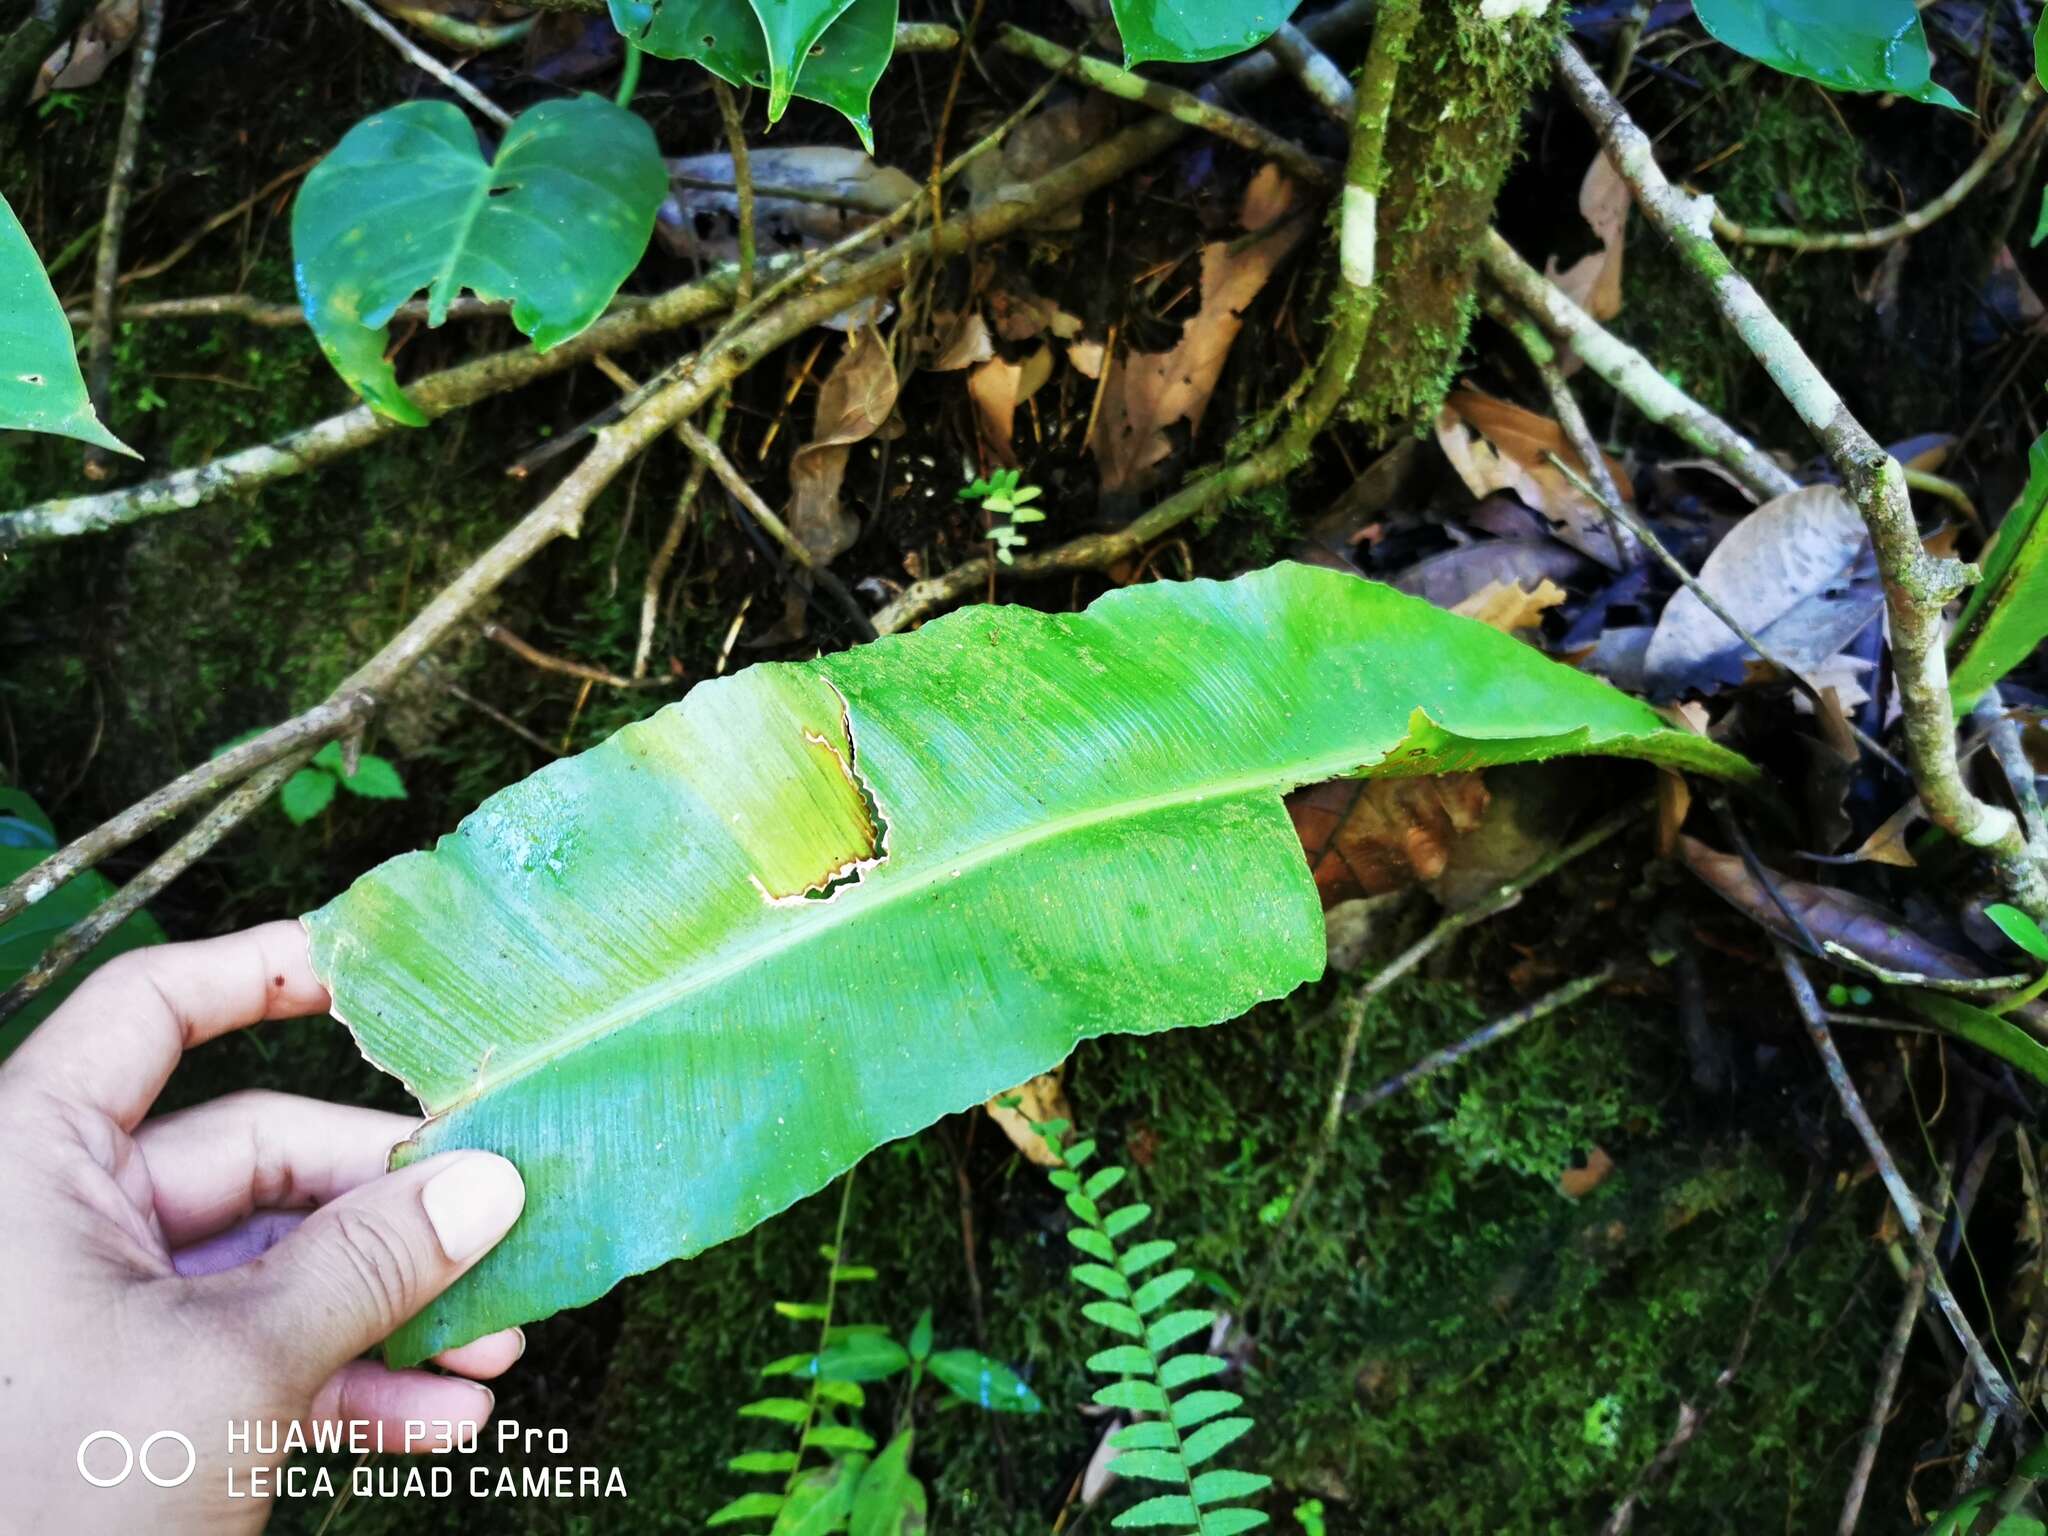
{"x":1211,"y":1438}
{"x":1189,"y":31}
{"x":375,"y":778}
{"x":1122,"y":1360}
{"x":784,"y":1410}
{"x":764,"y":44}
{"x":1215,"y":1487}
{"x":307,"y":793}
{"x":748,"y":1506}
{"x":1230,"y":1522}
{"x":974,"y":1378}
{"x":41,"y":389}
{"x":1116,"y":1317}
{"x":1103,"y":1182}
{"x":695,"y":973}
{"x":1147,"y":1435}
{"x":1176,"y":1326}
{"x":846,"y":1392}
{"x":822,"y":1500}
{"x":1145,"y":1255}
{"x":1160,"y":1289}
{"x":1182,"y":1369}
{"x":1101,"y":1278}
{"x":1155,"y":1466}
{"x":2020,"y":928}
{"x":1981,"y":1027}
{"x":921,"y":1337}
{"x":1846,"y":45}
{"x":1198,"y":1407}
{"x":1167,"y":1509}
{"x":889,"y":1501}
{"x":1092,"y":1243}
{"x":2007,"y":612}
{"x":838,"y":1437}
{"x":25,"y":936}
{"x":1124,"y":1218}
{"x":1136,"y":1396}
{"x":406,"y":201}
{"x":859,"y":1357}
{"x":762,"y":1461}
{"x":1078,"y":1154}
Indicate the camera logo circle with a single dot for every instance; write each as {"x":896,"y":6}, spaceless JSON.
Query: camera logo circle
{"x":131,"y":1458}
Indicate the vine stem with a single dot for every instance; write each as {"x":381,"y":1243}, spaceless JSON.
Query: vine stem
{"x":1995,"y":149}
{"x":427,"y":64}
{"x":824,"y":1327}
{"x":1917,"y":585}
{"x":1996,"y":1390}
{"x":629,"y":83}
{"x":120,"y":189}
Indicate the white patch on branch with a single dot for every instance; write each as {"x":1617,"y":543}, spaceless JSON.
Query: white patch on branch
{"x":1507,"y":10}
{"x":1357,"y":236}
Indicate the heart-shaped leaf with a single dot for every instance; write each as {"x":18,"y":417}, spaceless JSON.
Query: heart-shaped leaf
{"x":1189,"y":31}
{"x":828,"y":51}
{"x":1846,"y":45}
{"x":406,"y":201}
{"x":693,"y":974}
{"x":41,"y":389}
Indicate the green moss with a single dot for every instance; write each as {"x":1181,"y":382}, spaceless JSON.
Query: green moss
{"x":1449,"y":1344}
{"x":1455,"y":131}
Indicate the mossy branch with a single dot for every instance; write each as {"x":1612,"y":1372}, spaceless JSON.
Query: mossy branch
{"x":1917,"y":585}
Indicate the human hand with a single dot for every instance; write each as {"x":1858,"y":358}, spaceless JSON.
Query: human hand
{"x":162,"y":1275}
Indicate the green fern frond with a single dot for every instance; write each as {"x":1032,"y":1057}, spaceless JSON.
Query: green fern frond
{"x":1179,"y":1431}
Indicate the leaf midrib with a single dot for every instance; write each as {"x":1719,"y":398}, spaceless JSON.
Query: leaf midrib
{"x":645,"y":1001}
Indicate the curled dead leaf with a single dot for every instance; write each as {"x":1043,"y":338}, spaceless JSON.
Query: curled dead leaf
{"x":1495,"y":445}
{"x":1146,"y":393}
{"x":1594,"y":282}
{"x":1042,"y":1099}
{"x":853,"y":404}
{"x":1509,"y":606}
{"x":997,"y":387}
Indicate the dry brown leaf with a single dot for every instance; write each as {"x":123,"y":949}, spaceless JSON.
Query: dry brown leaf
{"x":1674,"y":802}
{"x":1887,"y":845}
{"x":1086,"y":358}
{"x":997,"y":388}
{"x":1496,"y":445}
{"x":1148,"y":392}
{"x":965,"y":344}
{"x":1365,"y":837}
{"x":81,"y":59}
{"x":1594,"y":282}
{"x":1577,"y":1183}
{"x":1042,"y":1099}
{"x":853,"y":404}
{"x":1508,"y":606}
{"x":1042,"y":143}
{"x":1833,"y":916}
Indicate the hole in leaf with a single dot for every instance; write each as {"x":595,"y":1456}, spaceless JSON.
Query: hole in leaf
{"x":35,"y":379}
{"x":710,"y":41}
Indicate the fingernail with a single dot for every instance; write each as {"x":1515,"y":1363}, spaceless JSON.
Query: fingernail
{"x":472,"y":1203}
{"x":520,"y":1354}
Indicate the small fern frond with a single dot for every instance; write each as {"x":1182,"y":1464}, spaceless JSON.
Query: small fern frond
{"x":1175,"y":1435}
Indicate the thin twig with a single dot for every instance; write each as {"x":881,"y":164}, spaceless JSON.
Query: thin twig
{"x":120,"y":188}
{"x":671,"y":541}
{"x":1917,"y":585}
{"x":1491,"y":1034}
{"x":533,"y":655}
{"x":1183,"y":106}
{"x":1626,"y":37}
{"x":1355,"y":1008}
{"x":1630,"y":374}
{"x":1889,"y":1365}
{"x":560,"y":513}
{"x":491,"y":711}
{"x":335,"y":717}
{"x":274,"y":316}
{"x":1564,"y":405}
{"x":1995,"y":149}
{"x":437,"y":394}
{"x":425,"y":62}
{"x":81,"y":937}
{"x":191,"y":242}
{"x":1619,"y":513}
{"x":1998,"y":1394}
{"x":1692,"y":1420}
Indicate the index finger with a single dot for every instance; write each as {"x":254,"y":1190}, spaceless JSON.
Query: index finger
{"x":114,"y":1042}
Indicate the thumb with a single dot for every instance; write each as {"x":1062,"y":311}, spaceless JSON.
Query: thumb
{"x":362,"y":1265}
